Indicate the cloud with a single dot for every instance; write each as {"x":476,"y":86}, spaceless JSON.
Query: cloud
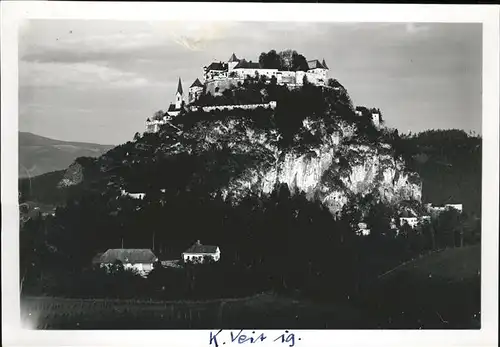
{"x":76,"y":75}
{"x":196,"y":36}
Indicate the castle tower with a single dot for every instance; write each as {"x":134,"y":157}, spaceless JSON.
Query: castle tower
{"x":195,"y":91}
{"x":325,"y":73}
{"x":232,"y":62}
{"x":179,"y":95}
{"x":324,"y":64}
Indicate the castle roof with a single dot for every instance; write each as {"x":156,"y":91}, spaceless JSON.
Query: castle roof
{"x":179,"y":87}
{"x":233,"y":59}
{"x":243,"y":64}
{"x":315,"y":64}
{"x":324,"y":64}
{"x":216,"y":66}
{"x":196,"y":83}
{"x":131,"y":256}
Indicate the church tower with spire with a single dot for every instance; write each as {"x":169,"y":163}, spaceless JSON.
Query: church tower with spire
{"x":179,"y":95}
{"x":175,"y":108}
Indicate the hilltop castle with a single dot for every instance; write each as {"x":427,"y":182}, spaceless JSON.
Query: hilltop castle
{"x":222,"y":75}
{"x":219,"y":76}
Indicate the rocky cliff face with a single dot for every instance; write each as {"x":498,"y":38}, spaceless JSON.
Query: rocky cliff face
{"x":333,"y":172}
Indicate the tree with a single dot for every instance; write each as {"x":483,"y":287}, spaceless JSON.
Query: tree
{"x":270,"y":60}
{"x":429,"y":235}
{"x":448,"y":228}
{"x":137,"y":136}
{"x":158,"y":115}
{"x":299,"y":62}
{"x":287,"y":58}
{"x":379,"y":219}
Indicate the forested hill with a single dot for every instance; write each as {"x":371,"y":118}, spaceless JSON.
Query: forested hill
{"x":449,"y":164}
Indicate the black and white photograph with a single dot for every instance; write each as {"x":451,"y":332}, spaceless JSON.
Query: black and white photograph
{"x":254,"y":176}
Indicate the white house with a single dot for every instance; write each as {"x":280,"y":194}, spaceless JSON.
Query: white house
{"x":458,"y":207}
{"x":425,"y":219}
{"x":411,"y":221}
{"x":138,"y":196}
{"x":140,"y":260}
{"x":376,"y":119}
{"x":375,"y":116}
{"x":363,"y":229}
{"x":197,"y":253}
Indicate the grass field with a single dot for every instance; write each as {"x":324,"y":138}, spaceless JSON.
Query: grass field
{"x":454,"y":264}
{"x":262,"y":311}
{"x":438,"y":291}
{"x":441,"y":290}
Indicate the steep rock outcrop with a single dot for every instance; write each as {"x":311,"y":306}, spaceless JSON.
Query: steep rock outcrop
{"x":333,"y":172}
{"x":73,"y":176}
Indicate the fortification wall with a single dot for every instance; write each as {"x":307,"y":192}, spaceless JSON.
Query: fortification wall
{"x":271,"y":104}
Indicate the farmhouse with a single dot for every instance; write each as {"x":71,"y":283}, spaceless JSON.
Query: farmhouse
{"x":198,"y":252}
{"x":141,"y":260}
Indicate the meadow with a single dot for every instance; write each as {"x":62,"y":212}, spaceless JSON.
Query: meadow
{"x":438,"y":291}
{"x":264,"y":311}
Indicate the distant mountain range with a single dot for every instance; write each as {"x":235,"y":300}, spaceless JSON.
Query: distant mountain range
{"x":39,"y":155}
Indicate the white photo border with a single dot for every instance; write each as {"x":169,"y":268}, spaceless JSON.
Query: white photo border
{"x":14,"y":13}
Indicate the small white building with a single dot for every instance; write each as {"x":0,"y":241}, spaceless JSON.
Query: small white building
{"x":458,"y":207}
{"x":376,"y":119}
{"x":197,"y":253}
{"x":137,"y":196}
{"x":361,"y":111}
{"x":411,"y":221}
{"x":363,"y":229}
{"x":140,"y":260}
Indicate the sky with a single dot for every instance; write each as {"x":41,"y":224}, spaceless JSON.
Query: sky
{"x":98,"y":80}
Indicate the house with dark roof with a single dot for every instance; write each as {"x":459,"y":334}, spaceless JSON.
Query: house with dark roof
{"x":198,"y":252}
{"x":140,"y":260}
